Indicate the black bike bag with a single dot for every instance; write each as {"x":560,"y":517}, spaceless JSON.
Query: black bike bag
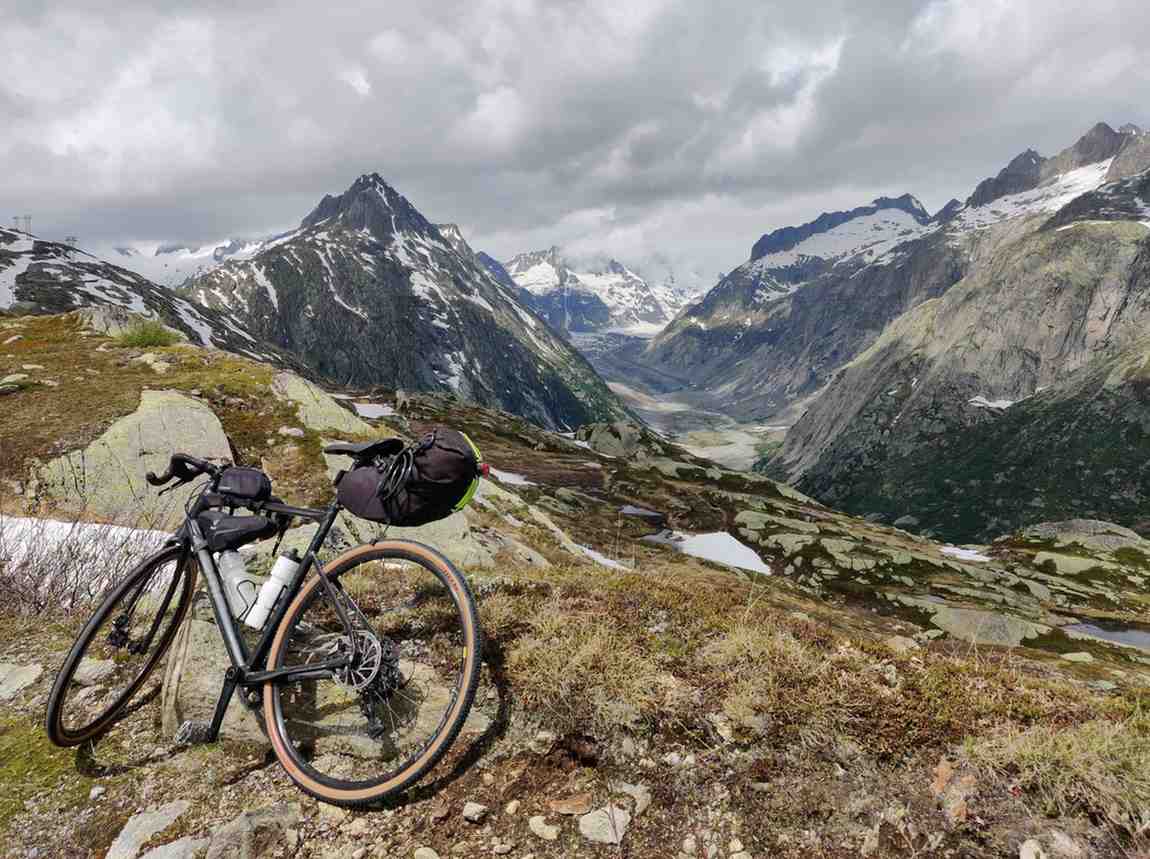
{"x":246,"y":484}
{"x":230,"y":532}
{"x":427,"y":481}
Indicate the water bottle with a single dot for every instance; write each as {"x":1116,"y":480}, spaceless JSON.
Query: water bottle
{"x":240,"y":587}
{"x":282,"y":575}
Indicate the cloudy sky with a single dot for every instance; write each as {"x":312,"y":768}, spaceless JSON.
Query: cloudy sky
{"x":660,"y":131}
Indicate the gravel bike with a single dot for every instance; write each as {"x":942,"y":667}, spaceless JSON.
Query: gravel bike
{"x":367,"y":669}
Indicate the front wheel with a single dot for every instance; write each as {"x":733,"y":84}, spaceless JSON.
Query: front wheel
{"x":119,"y":647}
{"x":354,"y":735}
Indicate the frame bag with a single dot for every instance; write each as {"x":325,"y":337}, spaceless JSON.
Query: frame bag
{"x":427,"y":481}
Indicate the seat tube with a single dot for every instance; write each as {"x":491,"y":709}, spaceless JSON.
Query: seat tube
{"x":235,"y":645}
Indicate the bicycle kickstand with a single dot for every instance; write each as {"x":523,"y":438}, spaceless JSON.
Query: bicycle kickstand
{"x":194,"y":732}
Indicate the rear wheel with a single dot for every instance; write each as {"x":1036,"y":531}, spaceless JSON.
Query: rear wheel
{"x":121,"y":644}
{"x":355,"y":735}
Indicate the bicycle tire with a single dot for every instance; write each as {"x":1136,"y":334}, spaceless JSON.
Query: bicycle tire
{"x":362,"y":792}
{"x":54,"y":721}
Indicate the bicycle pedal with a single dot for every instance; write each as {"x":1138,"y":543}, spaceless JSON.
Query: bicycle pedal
{"x":193,"y":733}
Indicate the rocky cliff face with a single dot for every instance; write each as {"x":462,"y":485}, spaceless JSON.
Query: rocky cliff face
{"x":967,"y":410}
{"x":367,"y":291}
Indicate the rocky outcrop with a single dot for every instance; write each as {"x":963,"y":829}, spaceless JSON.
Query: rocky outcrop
{"x":106,"y":478}
{"x":367,"y":292}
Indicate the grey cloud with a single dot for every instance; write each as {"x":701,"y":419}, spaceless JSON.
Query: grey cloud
{"x":673,"y":130}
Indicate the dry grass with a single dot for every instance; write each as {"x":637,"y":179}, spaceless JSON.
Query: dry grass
{"x":1100,"y":767}
{"x":148,"y":333}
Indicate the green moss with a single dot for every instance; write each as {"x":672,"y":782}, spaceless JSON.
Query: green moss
{"x":30,"y":766}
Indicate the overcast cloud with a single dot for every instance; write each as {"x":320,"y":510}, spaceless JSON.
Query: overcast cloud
{"x":654,"y":130}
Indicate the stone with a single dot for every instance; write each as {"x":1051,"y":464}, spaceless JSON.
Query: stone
{"x":735,"y":846}
{"x":639,"y":793}
{"x":605,"y":825}
{"x":542,"y":742}
{"x":512,"y":808}
{"x":92,"y":672}
{"x":31,"y":367}
{"x":906,"y":521}
{"x":1065,"y":847}
{"x":572,"y":805}
{"x":502,"y":848}
{"x":106,"y":479}
{"x":291,"y":432}
{"x":193,"y":676}
{"x":141,"y":827}
{"x":901,"y":644}
{"x":16,"y":678}
{"x":424,"y":853}
{"x":1080,"y":656}
{"x":360,"y":853}
{"x":13,"y":339}
{"x":254,"y":833}
{"x":742,"y":854}
{"x":1031,"y":848}
{"x":188,"y":847}
{"x":96,"y":792}
{"x":473,"y":812}
{"x":538,"y":824}
{"x":14,"y":379}
{"x":316,"y":408}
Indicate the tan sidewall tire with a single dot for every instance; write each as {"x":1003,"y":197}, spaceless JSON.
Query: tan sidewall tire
{"x":452,"y":725}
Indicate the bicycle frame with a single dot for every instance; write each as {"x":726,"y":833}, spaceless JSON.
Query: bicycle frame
{"x":245,"y":668}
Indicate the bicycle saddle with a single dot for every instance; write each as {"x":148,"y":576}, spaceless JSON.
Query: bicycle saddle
{"x":366,"y":449}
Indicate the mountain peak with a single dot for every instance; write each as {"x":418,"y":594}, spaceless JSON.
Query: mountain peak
{"x":454,"y":237}
{"x":369,"y":204}
{"x":787,"y":238}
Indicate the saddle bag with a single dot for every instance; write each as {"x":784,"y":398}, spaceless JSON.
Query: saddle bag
{"x":424,"y":482}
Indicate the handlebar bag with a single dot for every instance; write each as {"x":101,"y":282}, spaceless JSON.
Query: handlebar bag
{"x":247,"y":484}
{"x":427,"y":481}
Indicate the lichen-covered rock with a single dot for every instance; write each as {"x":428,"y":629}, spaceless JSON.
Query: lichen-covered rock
{"x":106,"y":479}
{"x":316,"y":408}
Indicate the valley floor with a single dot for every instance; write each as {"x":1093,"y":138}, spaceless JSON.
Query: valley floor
{"x":672,"y":407}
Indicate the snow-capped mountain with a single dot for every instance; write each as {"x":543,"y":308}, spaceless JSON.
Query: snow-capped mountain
{"x":172,"y":264}
{"x":368,"y":291}
{"x":591,"y":298}
{"x":38,"y":276}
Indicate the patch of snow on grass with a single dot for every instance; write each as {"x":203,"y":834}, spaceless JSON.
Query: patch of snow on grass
{"x":600,"y":558}
{"x":982,"y":402}
{"x":964,"y":554}
{"x":719,"y":547}
{"x":509,"y":477}
{"x":373,"y":410}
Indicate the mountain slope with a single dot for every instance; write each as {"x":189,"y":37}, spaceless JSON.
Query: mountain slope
{"x":368,"y":291}
{"x":1045,"y":309}
{"x":811,"y":298}
{"x":39,"y":276}
{"x":591,"y":299}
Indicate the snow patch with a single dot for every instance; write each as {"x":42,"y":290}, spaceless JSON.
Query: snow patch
{"x":509,"y":477}
{"x":719,"y":547}
{"x":373,"y":410}
{"x":965,"y":554}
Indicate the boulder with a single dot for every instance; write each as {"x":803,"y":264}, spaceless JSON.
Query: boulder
{"x":1088,"y":533}
{"x":316,"y":408}
{"x":141,"y":827}
{"x":194,"y":675}
{"x":621,"y":439}
{"x":256,"y":833}
{"x":16,"y":678}
{"x":106,"y":479}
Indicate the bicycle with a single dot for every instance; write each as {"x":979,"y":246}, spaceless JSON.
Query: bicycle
{"x":368,"y":669}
